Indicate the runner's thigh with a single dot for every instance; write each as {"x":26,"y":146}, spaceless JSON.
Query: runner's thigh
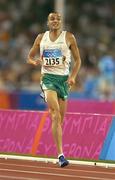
{"x":52,"y":99}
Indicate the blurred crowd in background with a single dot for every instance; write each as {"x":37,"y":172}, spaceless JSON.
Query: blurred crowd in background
{"x":91,"y":21}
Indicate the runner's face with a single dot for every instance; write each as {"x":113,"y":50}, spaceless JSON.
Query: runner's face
{"x":54,"y":21}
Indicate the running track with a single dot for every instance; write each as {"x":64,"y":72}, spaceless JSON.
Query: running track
{"x":33,"y":170}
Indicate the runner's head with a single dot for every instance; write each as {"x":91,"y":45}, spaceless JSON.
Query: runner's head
{"x":54,"y":21}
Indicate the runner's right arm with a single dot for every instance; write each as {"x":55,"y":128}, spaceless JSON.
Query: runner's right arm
{"x":34,"y":50}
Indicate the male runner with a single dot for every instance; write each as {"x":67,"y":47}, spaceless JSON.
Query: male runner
{"x":55,"y":48}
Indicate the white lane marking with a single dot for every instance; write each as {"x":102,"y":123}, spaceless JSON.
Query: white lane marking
{"x":55,"y":174}
{"x":60,"y":169}
{"x":17,"y":178}
{"x":41,"y":159}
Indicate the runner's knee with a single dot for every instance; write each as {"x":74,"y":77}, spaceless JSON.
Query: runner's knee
{"x":55,"y":115}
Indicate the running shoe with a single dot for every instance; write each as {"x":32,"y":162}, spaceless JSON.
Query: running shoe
{"x":42,"y":95}
{"x":62,"y":161}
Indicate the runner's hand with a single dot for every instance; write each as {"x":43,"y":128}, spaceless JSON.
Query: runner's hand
{"x":34,"y":62}
{"x":71,"y":81}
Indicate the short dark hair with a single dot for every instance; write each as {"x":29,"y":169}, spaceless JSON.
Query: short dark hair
{"x":53,"y":13}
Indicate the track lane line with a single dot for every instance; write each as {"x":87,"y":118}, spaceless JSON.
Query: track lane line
{"x":17,"y":178}
{"x":60,"y":169}
{"x":55,"y":174}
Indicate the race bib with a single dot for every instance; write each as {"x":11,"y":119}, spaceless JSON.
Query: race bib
{"x":52,"y":57}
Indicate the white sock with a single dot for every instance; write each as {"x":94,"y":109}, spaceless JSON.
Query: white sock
{"x":60,"y":155}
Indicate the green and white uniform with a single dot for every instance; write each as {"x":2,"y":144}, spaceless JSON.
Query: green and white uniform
{"x":56,"y":59}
